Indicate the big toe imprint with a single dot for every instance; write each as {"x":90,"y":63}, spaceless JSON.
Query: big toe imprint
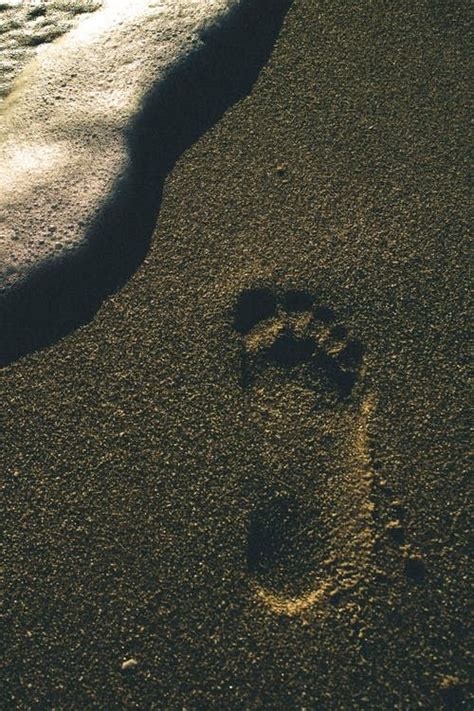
{"x":310,"y":532}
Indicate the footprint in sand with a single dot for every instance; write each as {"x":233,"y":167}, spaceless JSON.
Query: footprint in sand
{"x":310,"y":535}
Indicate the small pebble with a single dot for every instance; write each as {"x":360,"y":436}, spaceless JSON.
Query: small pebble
{"x":129,"y":664}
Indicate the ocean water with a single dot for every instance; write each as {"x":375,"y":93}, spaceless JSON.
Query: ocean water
{"x":27,"y":26}
{"x":76,"y":124}
{"x":90,"y":128}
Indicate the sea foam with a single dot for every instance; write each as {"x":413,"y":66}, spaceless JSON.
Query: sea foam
{"x":26,"y":26}
{"x":87,"y":134}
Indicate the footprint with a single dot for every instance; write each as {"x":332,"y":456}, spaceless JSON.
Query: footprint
{"x":295,"y":335}
{"x":310,"y":534}
{"x":281,"y":539}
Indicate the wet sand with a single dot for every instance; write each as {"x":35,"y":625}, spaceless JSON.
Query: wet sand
{"x":243,"y":484}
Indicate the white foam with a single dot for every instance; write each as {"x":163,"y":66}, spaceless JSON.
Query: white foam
{"x":87,"y":135}
{"x":62,"y":129}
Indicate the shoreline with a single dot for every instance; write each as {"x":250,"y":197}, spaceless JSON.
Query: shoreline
{"x":197,"y":443}
{"x":76,"y":226}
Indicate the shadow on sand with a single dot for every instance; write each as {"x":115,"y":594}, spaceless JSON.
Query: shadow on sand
{"x":57,"y":298}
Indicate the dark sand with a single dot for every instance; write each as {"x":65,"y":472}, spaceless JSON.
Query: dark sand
{"x":190,"y":493}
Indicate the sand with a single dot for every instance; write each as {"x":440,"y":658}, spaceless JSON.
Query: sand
{"x":243,"y":484}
